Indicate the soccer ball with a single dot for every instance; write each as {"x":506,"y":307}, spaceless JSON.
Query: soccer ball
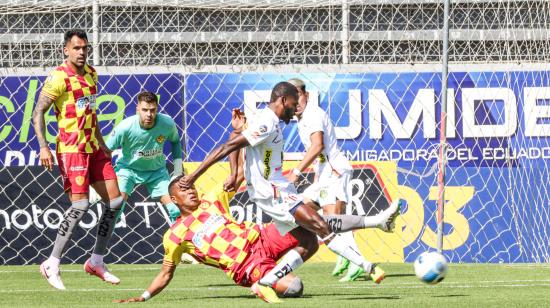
{"x":430,"y":267}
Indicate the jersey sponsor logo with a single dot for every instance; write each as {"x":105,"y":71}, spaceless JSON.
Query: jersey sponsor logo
{"x":78,"y":168}
{"x":79,"y":180}
{"x":267,"y":160}
{"x":160,"y":139}
{"x":149,"y":154}
{"x":263,"y":129}
{"x":86,"y":102}
{"x":207,"y":229}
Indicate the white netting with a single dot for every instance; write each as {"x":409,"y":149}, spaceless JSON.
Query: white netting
{"x":374,"y":65}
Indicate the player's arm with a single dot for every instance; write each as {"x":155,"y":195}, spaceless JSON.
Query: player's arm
{"x":157,"y":285}
{"x":317,"y":146}
{"x":42,"y":106}
{"x":236,"y":176}
{"x":177,"y":151}
{"x":216,"y":155}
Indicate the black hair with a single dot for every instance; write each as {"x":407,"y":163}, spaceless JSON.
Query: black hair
{"x":173,"y":182}
{"x":78,"y":32}
{"x":283,"y":89}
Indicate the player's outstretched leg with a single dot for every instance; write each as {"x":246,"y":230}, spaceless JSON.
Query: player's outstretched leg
{"x":384,"y":220}
{"x":389,"y":215}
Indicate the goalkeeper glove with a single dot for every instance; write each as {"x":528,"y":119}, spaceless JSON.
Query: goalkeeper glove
{"x":173,"y":212}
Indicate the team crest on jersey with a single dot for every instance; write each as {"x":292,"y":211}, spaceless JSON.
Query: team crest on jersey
{"x":160,"y":139}
{"x":79,"y":180}
{"x":255,"y":274}
{"x":323,"y":193}
{"x":263,"y":129}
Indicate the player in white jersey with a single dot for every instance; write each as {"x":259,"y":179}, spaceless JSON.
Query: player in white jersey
{"x":331,"y":187}
{"x":272,"y":192}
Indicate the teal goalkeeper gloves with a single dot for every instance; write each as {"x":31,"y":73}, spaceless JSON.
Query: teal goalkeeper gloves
{"x":173,"y":212}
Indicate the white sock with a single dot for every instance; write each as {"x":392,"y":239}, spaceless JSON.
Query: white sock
{"x":349,"y":239}
{"x":290,"y":261}
{"x":53,"y":261}
{"x":96,"y":259}
{"x":339,"y":246}
{"x":372,"y":221}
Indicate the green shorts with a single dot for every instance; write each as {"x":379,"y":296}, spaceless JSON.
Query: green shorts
{"x":156,"y":181}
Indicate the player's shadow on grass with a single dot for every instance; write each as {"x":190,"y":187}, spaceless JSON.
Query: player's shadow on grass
{"x":451,"y":295}
{"x":220,"y":285}
{"x":227,"y":296}
{"x":400,"y":275}
{"x":372,"y":297}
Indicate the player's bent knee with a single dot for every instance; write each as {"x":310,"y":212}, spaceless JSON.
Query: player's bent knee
{"x":116,"y":203}
{"x":294,"y":289}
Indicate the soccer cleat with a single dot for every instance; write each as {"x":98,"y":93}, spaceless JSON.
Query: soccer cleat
{"x":100,"y":271}
{"x":52,"y":275}
{"x":267,"y":294}
{"x":377,"y":274}
{"x":341,"y":266}
{"x":353,"y":273}
{"x":390,"y":215}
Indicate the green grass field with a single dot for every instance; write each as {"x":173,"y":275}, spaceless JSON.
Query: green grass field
{"x":522,"y":285}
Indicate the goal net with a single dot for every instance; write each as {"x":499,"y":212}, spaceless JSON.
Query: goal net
{"x":375,"y":66}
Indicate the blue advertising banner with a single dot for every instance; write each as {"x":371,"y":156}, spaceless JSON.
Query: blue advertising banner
{"x":492,"y":119}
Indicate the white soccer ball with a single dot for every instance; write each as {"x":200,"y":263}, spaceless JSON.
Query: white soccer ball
{"x":430,"y":267}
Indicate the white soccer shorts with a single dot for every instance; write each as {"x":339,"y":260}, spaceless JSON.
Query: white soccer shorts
{"x":327,"y":191}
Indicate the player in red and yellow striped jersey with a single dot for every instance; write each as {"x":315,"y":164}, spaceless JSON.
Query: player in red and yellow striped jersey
{"x":245,"y":251}
{"x":81,"y":153}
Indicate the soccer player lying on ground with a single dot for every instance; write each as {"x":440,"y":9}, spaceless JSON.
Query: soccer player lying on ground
{"x":275,"y":195}
{"x":246,"y":251}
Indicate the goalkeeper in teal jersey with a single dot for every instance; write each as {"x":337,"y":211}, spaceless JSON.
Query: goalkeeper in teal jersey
{"x":141,"y":138}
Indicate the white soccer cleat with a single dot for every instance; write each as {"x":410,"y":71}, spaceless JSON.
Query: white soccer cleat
{"x":388,"y":216}
{"x":52,"y":275}
{"x":100,"y":271}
